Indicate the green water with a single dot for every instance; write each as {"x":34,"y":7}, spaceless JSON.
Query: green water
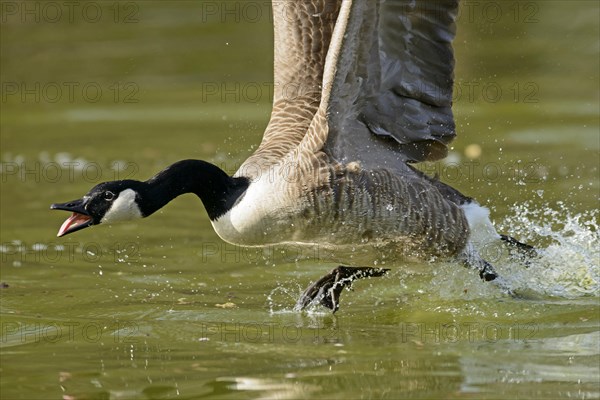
{"x":164,"y":309}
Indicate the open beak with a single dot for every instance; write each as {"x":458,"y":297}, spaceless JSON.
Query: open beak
{"x":78,"y":220}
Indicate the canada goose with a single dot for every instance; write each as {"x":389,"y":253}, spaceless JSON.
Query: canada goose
{"x":374,"y":90}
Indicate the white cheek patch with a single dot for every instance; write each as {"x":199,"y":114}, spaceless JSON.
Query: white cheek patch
{"x":124,"y":208}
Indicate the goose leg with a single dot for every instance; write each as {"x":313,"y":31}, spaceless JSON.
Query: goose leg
{"x":326,"y":291}
{"x":487,"y":272}
{"x":523,"y":248}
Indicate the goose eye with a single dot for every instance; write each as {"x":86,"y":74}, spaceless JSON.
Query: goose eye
{"x":109,"y":196}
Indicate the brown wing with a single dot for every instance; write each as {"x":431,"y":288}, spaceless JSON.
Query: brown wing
{"x":364,"y":80}
{"x":302,"y":32}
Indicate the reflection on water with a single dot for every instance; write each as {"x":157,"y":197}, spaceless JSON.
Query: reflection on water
{"x":271,"y":388}
{"x":164,"y":309}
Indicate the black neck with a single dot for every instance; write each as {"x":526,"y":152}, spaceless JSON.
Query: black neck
{"x":217,"y":190}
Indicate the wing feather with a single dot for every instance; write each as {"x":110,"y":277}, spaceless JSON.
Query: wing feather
{"x":362,"y":80}
{"x":302,"y":33}
{"x":391,"y":96}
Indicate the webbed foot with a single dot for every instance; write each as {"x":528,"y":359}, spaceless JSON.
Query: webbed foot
{"x":486,"y":271}
{"x":489,"y":274}
{"x":326,"y":291}
{"x":524,"y":250}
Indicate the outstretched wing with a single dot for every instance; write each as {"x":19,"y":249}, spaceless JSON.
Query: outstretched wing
{"x":302,"y":33}
{"x":390,"y":75}
{"x":363,"y":80}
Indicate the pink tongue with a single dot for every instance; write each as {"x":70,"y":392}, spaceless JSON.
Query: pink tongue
{"x":74,"y":220}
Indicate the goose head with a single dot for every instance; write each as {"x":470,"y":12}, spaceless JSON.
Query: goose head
{"x":126,"y":200}
{"x":107,"y":202}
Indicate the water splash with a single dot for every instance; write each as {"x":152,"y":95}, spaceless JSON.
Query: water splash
{"x":567,"y":265}
{"x":568,"y":245}
{"x":282,"y":298}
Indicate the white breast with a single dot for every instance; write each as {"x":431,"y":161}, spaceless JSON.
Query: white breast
{"x":253,"y":220}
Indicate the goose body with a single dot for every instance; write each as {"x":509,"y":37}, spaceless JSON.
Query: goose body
{"x":352,"y":207}
{"x":373,"y":95}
